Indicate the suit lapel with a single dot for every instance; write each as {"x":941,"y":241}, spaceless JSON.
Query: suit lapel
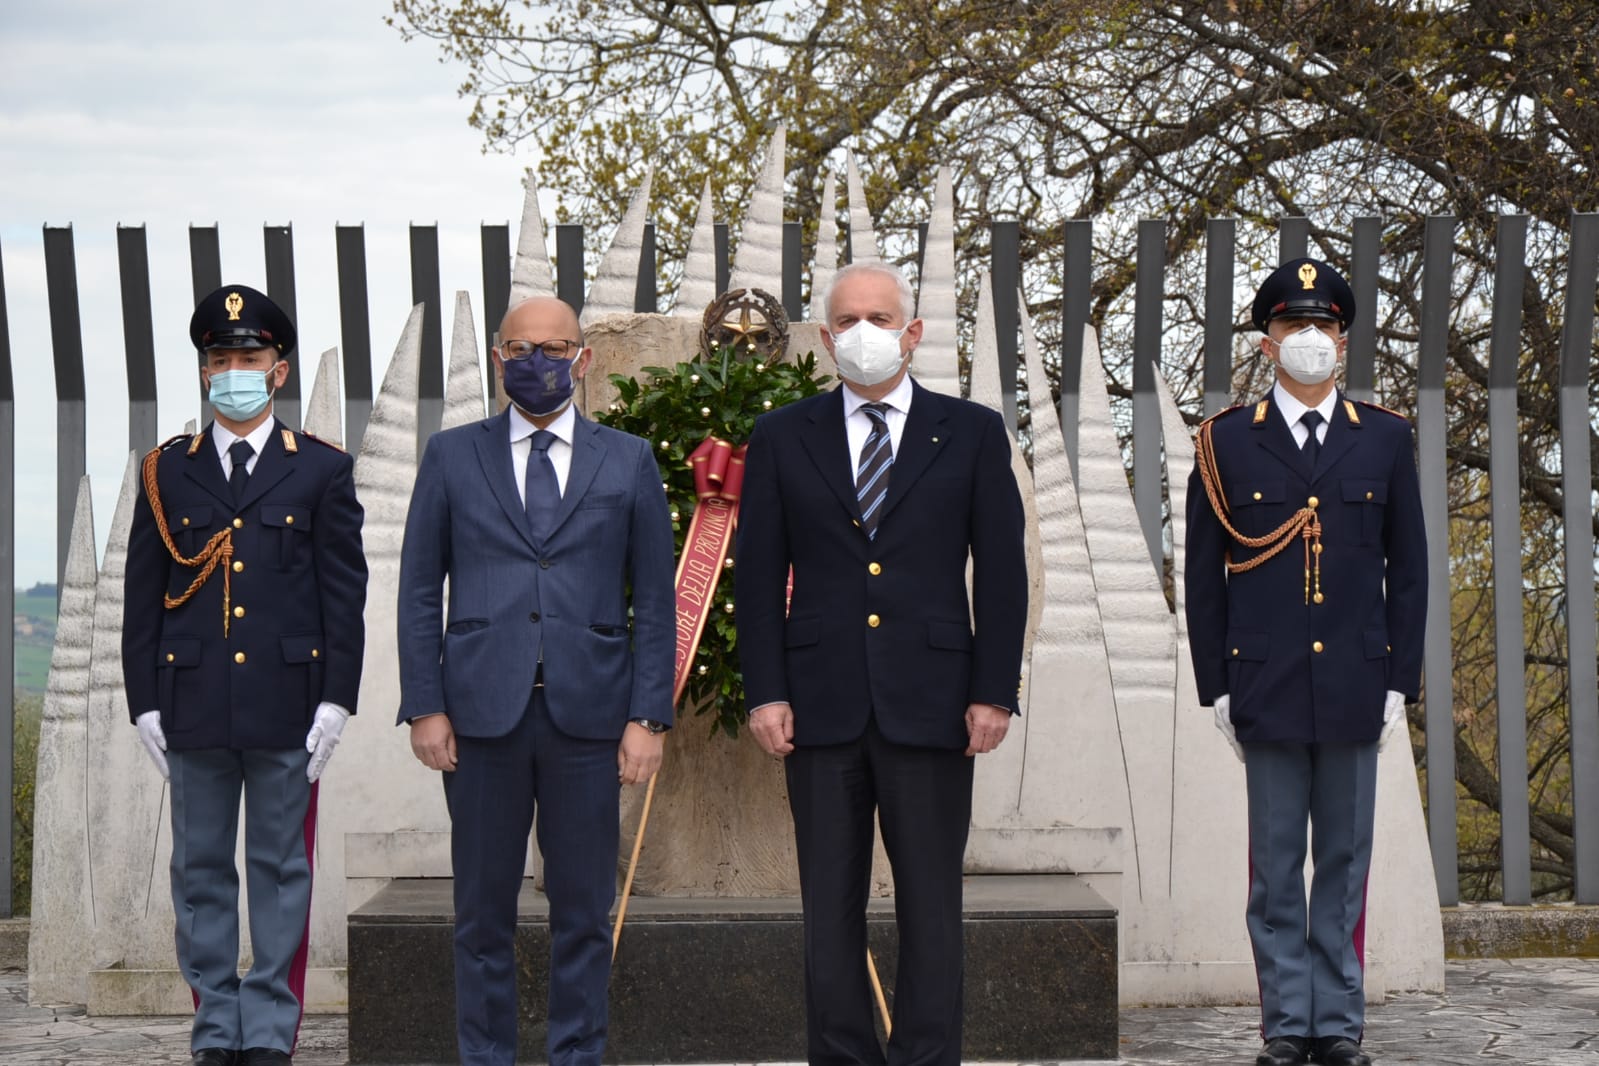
{"x":1341,"y":436}
{"x":205,"y":470}
{"x":918,"y":443}
{"x":494,"y":453}
{"x":587,"y":451}
{"x":271,"y":467}
{"x":827,"y":443}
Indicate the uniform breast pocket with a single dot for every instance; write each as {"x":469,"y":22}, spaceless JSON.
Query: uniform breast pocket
{"x":190,"y":528}
{"x":1257,"y":506}
{"x":1366,"y":504}
{"x":289,"y":525}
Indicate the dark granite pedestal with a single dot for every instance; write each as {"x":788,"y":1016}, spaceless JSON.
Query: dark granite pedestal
{"x":719,"y":980}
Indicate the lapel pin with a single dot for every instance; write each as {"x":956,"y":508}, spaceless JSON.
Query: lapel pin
{"x":935,"y":440}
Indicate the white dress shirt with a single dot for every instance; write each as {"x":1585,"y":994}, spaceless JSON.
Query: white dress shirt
{"x":1293,"y":410}
{"x":560,"y":448}
{"x":225,"y":438}
{"x":858,"y":424}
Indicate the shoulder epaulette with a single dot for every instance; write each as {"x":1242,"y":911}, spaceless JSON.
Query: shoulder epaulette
{"x":170,"y":441}
{"x":1384,"y":410}
{"x":319,"y":440}
{"x":1223,"y":411}
{"x":195,"y":442}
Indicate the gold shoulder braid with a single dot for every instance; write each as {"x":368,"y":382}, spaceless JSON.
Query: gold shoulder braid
{"x":219,"y":549}
{"x":1304,"y":523}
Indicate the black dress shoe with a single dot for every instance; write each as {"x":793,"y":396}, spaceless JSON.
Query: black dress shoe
{"x":263,"y":1056}
{"x":214,"y":1056}
{"x":1284,"y":1051}
{"x":1340,"y":1051}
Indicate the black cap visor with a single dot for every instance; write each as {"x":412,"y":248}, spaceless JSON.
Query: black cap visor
{"x":237,"y":338}
{"x":1312,"y":309}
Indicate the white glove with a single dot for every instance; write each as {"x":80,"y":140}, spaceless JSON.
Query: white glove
{"x":155,"y":741}
{"x":324,"y":737}
{"x":1224,"y":722}
{"x":1393,"y":718}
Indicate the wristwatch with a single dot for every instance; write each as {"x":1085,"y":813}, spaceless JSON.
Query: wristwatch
{"x":655,"y":728}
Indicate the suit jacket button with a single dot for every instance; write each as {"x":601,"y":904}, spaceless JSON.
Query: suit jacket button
{"x":238,"y":566}
{"x":288,"y":520}
{"x":170,"y":657}
{"x":874,"y":569}
{"x":238,"y":656}
{"x":1313,"y":503}
{"x":873,"y":621}
{"x":238,"y":612}
{"x":1316,"y":647}
{"x":238,"y":523}
{"x":544,"y":564}
{"x":534,"y":617}
{"x":1257,"y":496}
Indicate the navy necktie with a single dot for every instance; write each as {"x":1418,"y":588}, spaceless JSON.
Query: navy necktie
{"x":1311,"y":449}
{"x":240,"y":452}
{"x":541,"y":492}
{"x":877,"y":456}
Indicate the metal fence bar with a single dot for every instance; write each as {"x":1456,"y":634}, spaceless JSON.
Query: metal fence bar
{"x":1221,"y":237}
{"x":1432,"y":423}
{"x":205,"y":273}
{"x":279,"y":246}
{"x":1504,"y":479}
{"x":724,"y":268}
{"x":569,"y":282}
{"x":8,"y":601}
{"x":66,"y":342}
{"x":425,"y":291}
{"x":646,"y":301}
{"x":1360,"y":371}
{"x":496,"y":292}
{"x":355,"y":333}
{"x":1582,"y":635}
{"x":1147,"y":317}
{"x":138,"y":337}
{"x":1293,"y":238}
{"x":1077,"y":292}
{"x":794,"y":269}
{"x":1006,"y":240}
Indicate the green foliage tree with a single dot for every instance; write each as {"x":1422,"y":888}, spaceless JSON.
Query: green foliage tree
{"x":1055,"y":110}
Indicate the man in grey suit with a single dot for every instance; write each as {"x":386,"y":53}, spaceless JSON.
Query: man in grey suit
{"x":538,"y":692}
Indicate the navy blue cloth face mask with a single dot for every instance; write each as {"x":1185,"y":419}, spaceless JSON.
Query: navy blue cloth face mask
{"x":537,"y":383}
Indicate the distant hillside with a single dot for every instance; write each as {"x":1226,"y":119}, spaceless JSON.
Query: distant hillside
{"x":34,"y":628}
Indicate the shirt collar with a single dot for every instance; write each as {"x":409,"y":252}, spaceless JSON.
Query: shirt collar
{"x":223,"y":437}
{"x":563,"y":427}
{"x":1293,"y":410}
{"x":899,"y":398}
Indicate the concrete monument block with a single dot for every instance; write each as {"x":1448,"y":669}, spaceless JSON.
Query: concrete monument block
{"x":698,"y":287}
{"x":323,"y":409}
{"x":826,"y":263}
{"x":616,"y":281}
{"x":530,"y":269}
{"x":463,"y":378}
{"x":937,"y":360}
{"x":862,"y":236}
{"x":758,"y":262}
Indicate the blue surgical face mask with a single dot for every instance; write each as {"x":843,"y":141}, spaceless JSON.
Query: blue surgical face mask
{"x":240,"y":395}
{"x":538,"y":384}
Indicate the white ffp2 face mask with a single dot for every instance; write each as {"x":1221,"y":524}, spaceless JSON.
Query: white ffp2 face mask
{"x":868,"y":355}
{"x":1308,"y":356}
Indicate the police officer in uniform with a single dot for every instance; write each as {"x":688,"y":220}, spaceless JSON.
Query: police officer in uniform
{"x":241,"y":654}
{"x":1306,"y":598}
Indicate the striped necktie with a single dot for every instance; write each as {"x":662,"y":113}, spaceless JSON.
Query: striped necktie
{"x":877,"y":455}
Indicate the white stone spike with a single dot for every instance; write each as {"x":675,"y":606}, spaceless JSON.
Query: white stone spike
{"x":698,"y":287}
{"x":1140,"y":640}
{"x":463,"y":379}
{"x":530,"y":272}
{"x":63,"y":908}
{"x":863,"y":243}
{"x":1210,"y":817}
{"x":128,"y":850}
{"x":758,"y":263}
{"x":616,"y":281}
{"x":937,"y":356}
{"x":996,"y":796}
{"x":374,"y":785}
{"x":826,"y":264}
{"x":322,"y":410}
{"x":189,"y":427}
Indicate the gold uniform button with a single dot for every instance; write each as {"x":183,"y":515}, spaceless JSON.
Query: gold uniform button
{"x":1313,"y":503}
{"x":185,"y":520}
{"x":238,"y":523}
{"x":873,"y":621}
{"x":874,"y":569}
{"x":1318,"y":597}
{"x":856,"y":522}
{"x":238,"y":612}
{"x":170,"y":657}
{"x":288,"y":520}
{"x":1390,"y":647}
{"x":1257,"y":496}
{"x":1316,"y":647}
{"x":238,"y":656}
{"x":1368,"y":495}
{"x":1235,"y":651}
{"x":238,"y":566}
{"x":316,"y":653}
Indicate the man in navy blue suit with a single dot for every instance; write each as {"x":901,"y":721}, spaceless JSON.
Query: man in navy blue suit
{"x":882,"y":680}
{"x":242,"y":640}
{"x":1306,"y":589}
{"x":549,"y":683}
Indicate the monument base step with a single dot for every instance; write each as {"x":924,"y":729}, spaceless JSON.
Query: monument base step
{"x":720,"y":980}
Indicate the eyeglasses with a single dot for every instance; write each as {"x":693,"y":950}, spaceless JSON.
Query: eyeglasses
{"x":515,"y":351}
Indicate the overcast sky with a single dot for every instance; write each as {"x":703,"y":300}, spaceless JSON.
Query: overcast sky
{"x":171,"y":112}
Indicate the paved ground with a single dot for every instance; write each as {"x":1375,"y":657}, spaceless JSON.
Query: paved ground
{"x":1533,"y":1012}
